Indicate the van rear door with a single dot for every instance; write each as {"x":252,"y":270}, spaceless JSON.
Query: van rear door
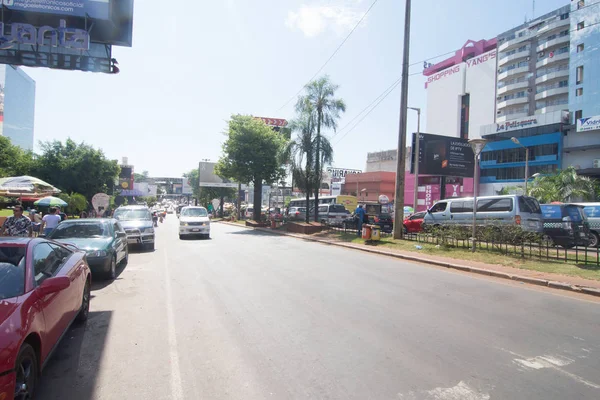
{"x":530,"y":214}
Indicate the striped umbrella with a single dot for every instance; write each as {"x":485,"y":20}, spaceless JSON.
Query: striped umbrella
{"x":50,"y":201}
{"x":19,"y":185}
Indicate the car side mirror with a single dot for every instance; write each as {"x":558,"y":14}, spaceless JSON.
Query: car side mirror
{"x":121,"y":234}
{"x":428,"y":211}
{"x":53,"y":285}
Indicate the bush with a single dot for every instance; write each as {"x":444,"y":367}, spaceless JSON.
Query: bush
{"x":493,"y":233}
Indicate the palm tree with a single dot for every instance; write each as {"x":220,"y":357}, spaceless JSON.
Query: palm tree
{"x":301,"y":153}
{"x":565,"y":186}
{"x":320,"y":102}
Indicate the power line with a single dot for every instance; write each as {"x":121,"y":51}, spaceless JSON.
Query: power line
{"x":332,"y":55}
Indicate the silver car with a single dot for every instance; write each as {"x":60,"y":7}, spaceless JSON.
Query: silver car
{"x":297,"y":213}
{"x":137,"y":222}
{"x":194,"y":221}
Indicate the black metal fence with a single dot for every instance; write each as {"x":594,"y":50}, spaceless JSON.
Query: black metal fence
{"x":499,"y":242}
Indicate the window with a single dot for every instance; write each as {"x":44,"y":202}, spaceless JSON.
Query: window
{"x":580,"y":25}
{"x":580,"y":3}
{"x":579,"y":75}
{"x":564,"y":16}
{"x":592,"y":211}
{"x":529,"y":205}
{"x":495,"y":205}
{"x":439,"y":207}
{"x":45,"y":262}
{"x":580,"y":47}
{"x":578,"y":114}
{"x":461,"y":207}
{"x":579,"y":92}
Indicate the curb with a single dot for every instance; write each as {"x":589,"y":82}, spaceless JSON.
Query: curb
{"x":525,"y":279}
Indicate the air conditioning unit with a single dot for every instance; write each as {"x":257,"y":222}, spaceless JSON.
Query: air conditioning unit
{"x":597,"y":163}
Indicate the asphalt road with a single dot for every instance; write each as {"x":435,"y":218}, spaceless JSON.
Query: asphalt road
{"x":246,"y":315}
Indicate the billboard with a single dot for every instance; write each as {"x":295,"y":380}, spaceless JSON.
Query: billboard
{"x":99,"y":9}
{"x":444,"y":156}
{"x":588,"y":124}
{"x":208,"y":178}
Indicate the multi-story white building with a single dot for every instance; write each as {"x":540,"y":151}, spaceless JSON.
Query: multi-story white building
{"x":461,"y":91}
{"x":533,"y":67}
{"x":17,"y":106}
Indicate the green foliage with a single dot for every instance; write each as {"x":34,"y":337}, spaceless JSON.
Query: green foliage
{"x":564,"y":186}
{"x":76,"y":203}
{"x":143,"y":177}
{"x":253,"y":152}
{"x":150,"y":200}
{"x":494,"y":234}
{"x":13,"y":160}
{"x":76,"y":167}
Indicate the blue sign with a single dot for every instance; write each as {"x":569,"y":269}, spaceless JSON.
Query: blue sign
{"x":74,"y":8}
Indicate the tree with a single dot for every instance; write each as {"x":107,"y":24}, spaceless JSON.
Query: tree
{"x":76,"y":203}
{"x":76,"y":168}
{"x":565,"y":185}
{"x":14,"y":161}
{"x":143,"y":177}
{"x":320,"y":101}
{"x":253,"y":152}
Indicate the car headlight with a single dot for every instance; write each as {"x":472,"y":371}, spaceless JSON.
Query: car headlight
{"x":96,"y":253}
{"x":183,"y":224}
{"x":149,"y":230}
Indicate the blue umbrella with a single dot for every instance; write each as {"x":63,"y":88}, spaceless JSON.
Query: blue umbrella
{"x":50,"y":201}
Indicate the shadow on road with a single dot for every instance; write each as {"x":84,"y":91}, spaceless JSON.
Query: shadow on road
{"x":252,"y":232}
{"x":73,"y":369}
{"x":99,"y":282}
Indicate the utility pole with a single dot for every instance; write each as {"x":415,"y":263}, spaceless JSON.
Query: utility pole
{"x":416,"y":150}
{"x":400,"y":162}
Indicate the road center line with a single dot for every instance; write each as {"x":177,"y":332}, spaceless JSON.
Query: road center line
{"x":176,"y":385}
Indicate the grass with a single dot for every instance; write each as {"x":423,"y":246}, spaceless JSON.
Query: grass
{"x":569,"y":268}
{"x":6,"y":213}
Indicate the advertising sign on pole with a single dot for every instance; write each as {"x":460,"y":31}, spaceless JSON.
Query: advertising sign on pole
{"x":100,"y":202}
{"x":444,"y":156}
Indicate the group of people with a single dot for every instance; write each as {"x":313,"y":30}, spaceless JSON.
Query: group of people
{"x":22,"y":226}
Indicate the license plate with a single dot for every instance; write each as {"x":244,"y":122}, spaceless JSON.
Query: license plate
{"x":196,"y":230}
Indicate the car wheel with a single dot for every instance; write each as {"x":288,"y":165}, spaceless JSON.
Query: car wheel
{"x":84,"y":311}
{"x":26,"y":373}
{"x":547,"y":241}
{"x":404,"y":229}
{"x":593,"y":239}
{"x":112,"y":272}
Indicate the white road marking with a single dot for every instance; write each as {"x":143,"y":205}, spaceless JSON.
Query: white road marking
{"x":462,"y":391}
{"x":176,"y":385}
{"x":553,"y":362}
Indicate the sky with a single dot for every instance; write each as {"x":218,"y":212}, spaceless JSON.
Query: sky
{"x":195,"y":63}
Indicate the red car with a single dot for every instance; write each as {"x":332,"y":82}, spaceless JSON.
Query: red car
{"x":44,"y":287}
{"x":414,"y":223}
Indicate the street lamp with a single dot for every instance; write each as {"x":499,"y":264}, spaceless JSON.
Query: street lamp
{"x":477,"y":145}
{"x":416,"y":153}
{"x":516,"y":141}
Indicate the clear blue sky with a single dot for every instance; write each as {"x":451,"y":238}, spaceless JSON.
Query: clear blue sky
{"x":195,"y":63}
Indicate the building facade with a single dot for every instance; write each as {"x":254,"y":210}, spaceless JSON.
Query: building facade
{"x":17,"y":106}
{"x":461,"y":91}
{"x":582,"y":143}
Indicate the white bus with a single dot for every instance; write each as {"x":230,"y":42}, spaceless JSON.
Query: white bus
{"x":349,"y":202}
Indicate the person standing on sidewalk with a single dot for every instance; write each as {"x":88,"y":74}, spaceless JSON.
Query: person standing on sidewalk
{"x":359,"y":214}
{"x":17,"y":225}
{"x":50,"y":221}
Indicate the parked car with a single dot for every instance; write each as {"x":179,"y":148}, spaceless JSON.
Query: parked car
{"x":414,"y":223}
{"x":592,"y":213}
{"x":249,"y":213}
{"x":565,"y":225}
{"x":137,"y":222}
{"x":194,"y":221}
{"x":297,"y":213}
{"x":45,"y":287}
{"x":331,"y":214}
{"x":103,"y":240}
{"x":518,"y":210}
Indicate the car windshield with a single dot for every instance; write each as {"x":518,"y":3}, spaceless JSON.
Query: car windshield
{"x":80,"y":230}
{"x":132,"y":215}
{"x":12,"y":271}
{"x":194,"y":212}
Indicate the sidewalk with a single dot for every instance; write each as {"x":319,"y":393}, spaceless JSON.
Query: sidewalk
{"x":556,"y":281}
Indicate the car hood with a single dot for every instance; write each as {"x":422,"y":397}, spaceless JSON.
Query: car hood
{"x":88,"y":243}
{"x":136,"y":223}
{"x":194,"y":219}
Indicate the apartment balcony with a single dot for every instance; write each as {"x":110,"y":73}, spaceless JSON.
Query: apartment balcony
{"x":553,"y":26}
{"x":513,"y":73}
{"x":513,"y":57}
{"x":512,"y":102}
{"x":551,"y":60}
{"x":504,"y":118}
{"x":551,"y":76}
{"x":551,"y":93}
{"x":510,"y":44}
{"x":550,"y":109}
{"x":513,"y":87}
{"x":553,"y":43}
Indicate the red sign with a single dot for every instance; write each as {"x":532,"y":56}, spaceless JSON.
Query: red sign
{"x":274,"y":121}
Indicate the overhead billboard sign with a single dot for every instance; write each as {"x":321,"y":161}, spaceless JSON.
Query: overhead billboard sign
{"x":208,"y":178}
{"x":588,"y":124}
{"x":99,"y":9}
{"x":444,"y":156}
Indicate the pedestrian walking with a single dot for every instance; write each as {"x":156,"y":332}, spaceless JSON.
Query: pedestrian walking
{"x":61,"y":214}
{"x":36,"y":221}
{"x":359,"y":215}
{"x":50,"y":221}
{"x":17,"y":224}
{"x":83,"y":215}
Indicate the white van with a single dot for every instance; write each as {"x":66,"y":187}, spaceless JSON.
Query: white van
{"x":504,"y":210}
